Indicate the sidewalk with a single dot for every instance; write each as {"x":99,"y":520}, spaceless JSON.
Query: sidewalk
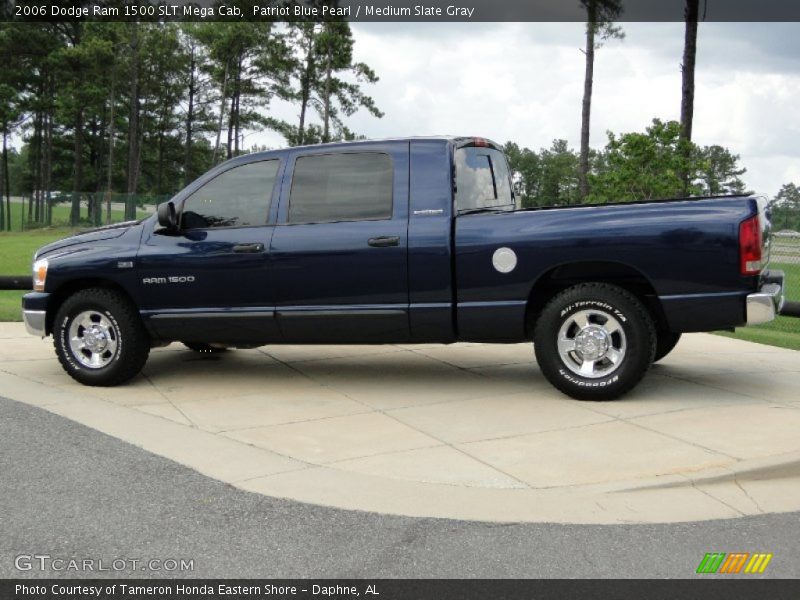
{"x":468,"y":431}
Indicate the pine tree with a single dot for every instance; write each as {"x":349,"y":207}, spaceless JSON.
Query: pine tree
{"x":328,"y":80}
{"x":691,"y":16}
{"x":600,"y":16}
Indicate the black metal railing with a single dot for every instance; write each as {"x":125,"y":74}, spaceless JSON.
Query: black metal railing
{"x":16,"y":282}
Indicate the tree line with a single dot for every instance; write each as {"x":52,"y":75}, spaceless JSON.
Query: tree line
{"x":638,"y":166}
{"x":632,"y":166}
{"x":144,"y":108}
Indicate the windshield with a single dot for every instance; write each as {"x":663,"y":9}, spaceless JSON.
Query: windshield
{"x":482,"y":179}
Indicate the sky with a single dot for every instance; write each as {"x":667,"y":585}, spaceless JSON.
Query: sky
{"x":523,"y":82}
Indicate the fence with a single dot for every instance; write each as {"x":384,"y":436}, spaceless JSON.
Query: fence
{"x":785,"y":255}
{"x":786,"y":247}
{"x":83,"y":209}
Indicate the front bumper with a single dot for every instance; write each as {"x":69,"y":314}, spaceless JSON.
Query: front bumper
{"x":35,"y":322}
{"x":34,"y":313}
{"x":764,"y":305}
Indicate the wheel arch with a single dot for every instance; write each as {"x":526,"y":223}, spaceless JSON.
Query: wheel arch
{"x":68,"y":288}
{"x":566,"y":275}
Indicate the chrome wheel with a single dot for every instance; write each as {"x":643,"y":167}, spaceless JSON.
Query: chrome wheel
{"x":591,"y":343}
{"x":93,"y":339}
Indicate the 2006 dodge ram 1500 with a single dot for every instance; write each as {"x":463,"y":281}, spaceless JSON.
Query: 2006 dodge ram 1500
{"x":408,"y":240}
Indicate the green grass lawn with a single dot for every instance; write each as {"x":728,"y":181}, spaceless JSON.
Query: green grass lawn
{"x":783,"y":332}
{"x":61,"y":213}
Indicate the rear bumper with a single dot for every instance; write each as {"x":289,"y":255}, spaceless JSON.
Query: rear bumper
{"x":764,"y":305}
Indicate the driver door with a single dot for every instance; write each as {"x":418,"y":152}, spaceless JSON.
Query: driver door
{"x":210,"y":280}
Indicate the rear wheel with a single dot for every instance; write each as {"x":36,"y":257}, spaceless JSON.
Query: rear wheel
{"x":99,"y":338}
{"x":594,"y":341}
{"x":665,"y":343}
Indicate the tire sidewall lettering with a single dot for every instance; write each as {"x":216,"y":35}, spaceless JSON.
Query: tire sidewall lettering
{"x":582,"y":304}
{"x":65,"y":349}
{"x":589,"y":383}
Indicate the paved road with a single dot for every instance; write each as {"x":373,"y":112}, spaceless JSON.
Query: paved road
{"x":71,"y":492}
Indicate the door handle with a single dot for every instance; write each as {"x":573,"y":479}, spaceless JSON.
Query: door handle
{"x":384,"y":241}
{"x":248,"y":248}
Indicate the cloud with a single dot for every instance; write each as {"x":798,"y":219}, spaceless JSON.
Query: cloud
{"x":524,"y":82}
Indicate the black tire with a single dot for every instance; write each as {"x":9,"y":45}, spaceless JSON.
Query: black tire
{"x":131,"y":344}
{"x":203,"y":348}
{"x":607,"y":308}
{"x":665,"y":343}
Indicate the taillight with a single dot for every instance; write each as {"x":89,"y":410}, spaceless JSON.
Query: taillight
{"x":750,"y":246}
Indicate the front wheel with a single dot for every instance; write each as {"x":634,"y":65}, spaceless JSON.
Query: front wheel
{"x":594,"y":341}
{"x":99,"y":338}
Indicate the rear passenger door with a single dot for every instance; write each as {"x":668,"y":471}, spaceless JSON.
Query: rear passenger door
{"x":339,"y":251}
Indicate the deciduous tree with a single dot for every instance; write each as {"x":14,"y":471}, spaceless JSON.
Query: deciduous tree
{"x":719,"y":172}
{"x":641,"y":166}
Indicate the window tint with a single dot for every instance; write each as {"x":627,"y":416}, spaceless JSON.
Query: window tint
{"x":237,"y":198}
{"x":482,"y":179}
{"x":341,"y":187}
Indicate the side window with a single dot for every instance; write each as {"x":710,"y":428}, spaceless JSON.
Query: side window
{"x":341,"y":187}
{"x":482,"y":179}
{"x":237,"y":198}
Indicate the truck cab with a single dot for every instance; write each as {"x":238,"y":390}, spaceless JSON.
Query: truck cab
{"x":415,"y":240}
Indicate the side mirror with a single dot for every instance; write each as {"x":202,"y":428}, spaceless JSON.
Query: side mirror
{"x":167,"y":216}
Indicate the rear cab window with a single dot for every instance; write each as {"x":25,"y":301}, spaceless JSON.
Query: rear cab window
{"x":328,"y":188}
{"x":482,"y":180}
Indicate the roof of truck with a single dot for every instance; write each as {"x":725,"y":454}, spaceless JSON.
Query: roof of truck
{"x":443,"y":138}
{"x":393,"y":139}
{"x":275,"y":152}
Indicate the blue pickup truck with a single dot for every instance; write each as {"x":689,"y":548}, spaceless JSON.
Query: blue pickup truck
{"x":416,"y":240}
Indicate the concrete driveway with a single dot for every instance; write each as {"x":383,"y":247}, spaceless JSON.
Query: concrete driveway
{"x":469,"y":431}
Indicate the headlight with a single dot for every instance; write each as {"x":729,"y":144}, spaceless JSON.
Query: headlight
{"x":39,"y":274}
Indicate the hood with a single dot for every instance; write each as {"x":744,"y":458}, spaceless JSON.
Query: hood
{"x":92,"y":235}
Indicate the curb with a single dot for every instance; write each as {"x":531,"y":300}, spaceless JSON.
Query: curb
{"x":744,"y":488}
